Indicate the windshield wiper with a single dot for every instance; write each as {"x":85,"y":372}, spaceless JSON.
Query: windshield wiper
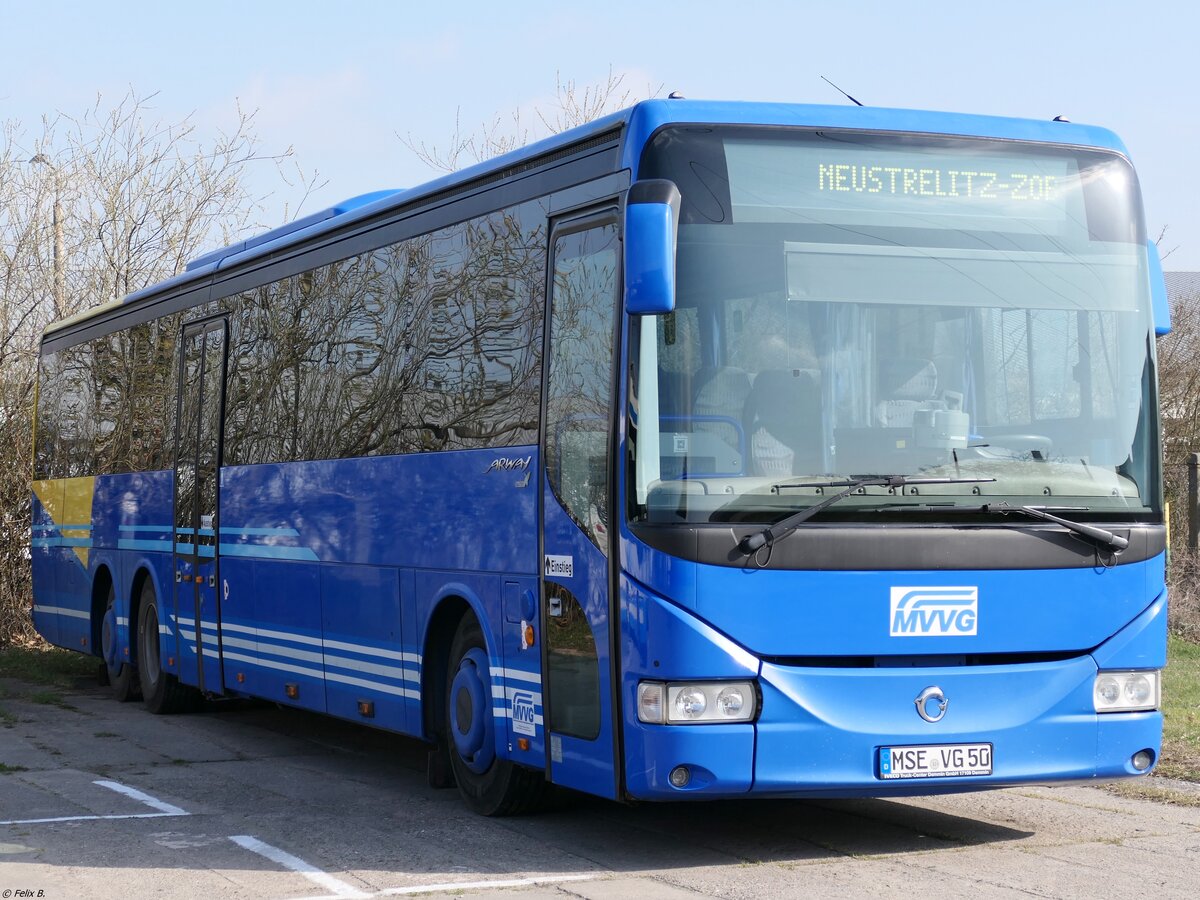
{"x":1100,"y":535}
{"x":753,"y":542}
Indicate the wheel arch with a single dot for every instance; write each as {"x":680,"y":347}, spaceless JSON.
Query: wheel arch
{"x":447,"y":609}
{"x":102,"y":580}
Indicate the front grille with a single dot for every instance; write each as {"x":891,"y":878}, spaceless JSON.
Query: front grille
{"x":926,"y":661}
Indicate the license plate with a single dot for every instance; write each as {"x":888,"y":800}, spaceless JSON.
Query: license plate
{"x":935,"y":761}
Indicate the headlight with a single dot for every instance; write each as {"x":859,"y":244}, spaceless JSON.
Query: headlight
{"x":693,"y":704}
{"x":1126,"y":691}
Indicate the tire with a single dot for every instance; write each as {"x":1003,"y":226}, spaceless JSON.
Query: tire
{"x":122,"y":677}
{"x":161,"y":691}
{"x":488,"y":785}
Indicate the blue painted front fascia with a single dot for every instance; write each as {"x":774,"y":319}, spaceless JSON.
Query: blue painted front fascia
{"x":820,"y":728}
{"x":774,"y":612}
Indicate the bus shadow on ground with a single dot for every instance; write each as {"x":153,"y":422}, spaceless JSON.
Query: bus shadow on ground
{"x":305,"y":781}
{"x":782,"y":831}
{"x":766,"y":830}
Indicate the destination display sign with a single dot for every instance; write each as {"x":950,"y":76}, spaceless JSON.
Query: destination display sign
{"x":930,"y":187}
{"x":1004,"y":182}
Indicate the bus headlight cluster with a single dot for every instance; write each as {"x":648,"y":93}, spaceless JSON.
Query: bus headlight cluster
{"x":1126,"y":691}
{"x":661,"y":703}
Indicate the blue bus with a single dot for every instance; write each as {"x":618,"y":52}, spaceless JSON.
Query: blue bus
{"x":708,"y":450}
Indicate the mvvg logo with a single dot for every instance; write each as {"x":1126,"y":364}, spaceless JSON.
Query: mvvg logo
{"x":523,"y":721}
{"x":934,"y":611}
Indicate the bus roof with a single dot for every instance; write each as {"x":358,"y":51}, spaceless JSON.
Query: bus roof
{"x":639,"y":123}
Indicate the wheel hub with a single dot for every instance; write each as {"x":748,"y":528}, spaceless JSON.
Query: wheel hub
{"x":108,"y":637}
{"x":471,"y":726}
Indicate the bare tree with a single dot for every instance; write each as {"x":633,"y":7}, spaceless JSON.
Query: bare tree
{"x":573,"y":105}
{"x":92,"y":208}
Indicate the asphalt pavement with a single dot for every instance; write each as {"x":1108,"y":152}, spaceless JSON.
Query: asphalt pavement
{"x":101,"y":799}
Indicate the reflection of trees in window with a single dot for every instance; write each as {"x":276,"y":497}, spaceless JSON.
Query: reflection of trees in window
{"x":429,"y":344}
{"x":111,"y":379}
{"x":478,"y":373}
{"x":49,"y":462}
{"x":77,"y":412}
{"x":580,"y":384}
{"x":105,"y":405}
{"x":153,"y":405}
{"x":269,"y":337}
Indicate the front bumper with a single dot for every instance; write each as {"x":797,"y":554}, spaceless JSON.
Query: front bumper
{"x":820,"y":728}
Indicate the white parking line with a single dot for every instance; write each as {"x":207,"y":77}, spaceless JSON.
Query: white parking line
{"x":153,"y":802}
{"x":300,"y":867}
{"x":164,"y":809}
{"x":468,"y":886}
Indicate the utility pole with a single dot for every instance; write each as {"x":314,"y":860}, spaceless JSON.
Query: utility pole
{"x":56,"y":221}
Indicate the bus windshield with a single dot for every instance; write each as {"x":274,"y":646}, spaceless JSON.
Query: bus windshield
{"x":857,"y":304}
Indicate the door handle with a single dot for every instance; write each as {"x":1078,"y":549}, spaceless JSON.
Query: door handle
{"x":178,"y":576}
{"x":212,"y":581}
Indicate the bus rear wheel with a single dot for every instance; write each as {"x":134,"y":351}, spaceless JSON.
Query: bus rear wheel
{"x":161,"y":690}
{"x":122,"y":677}
{"x":489,"y":786}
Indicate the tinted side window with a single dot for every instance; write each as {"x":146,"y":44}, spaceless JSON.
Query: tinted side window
{"x":77,"y":412}
{"x":48,"y":461}
{"x":433,"y":343}
{"x":112,"y":373}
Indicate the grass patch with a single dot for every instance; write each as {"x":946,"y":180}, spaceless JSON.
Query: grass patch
{"x":8,"y":770}
{"x":1181,"y":711}
{"x":49,"y":665}
{"x":50,"y":698}
{"x":1142,"y":789}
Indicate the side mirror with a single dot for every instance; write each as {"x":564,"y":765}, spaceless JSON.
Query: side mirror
{"x":651,"y":235}
{"x":1158,"y":291}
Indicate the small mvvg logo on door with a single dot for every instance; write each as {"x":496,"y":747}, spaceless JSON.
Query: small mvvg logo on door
{"x":524,"y":720}
{"x":934,"y":611}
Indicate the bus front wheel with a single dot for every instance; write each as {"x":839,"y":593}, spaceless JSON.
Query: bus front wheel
{"x":489,"y":785}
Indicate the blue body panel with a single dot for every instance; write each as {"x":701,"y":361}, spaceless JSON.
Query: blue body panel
{"x":328,"y":575}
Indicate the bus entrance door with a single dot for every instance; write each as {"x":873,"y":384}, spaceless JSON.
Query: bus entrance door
{"x":577,"y":576}
{"x":197,"y":530}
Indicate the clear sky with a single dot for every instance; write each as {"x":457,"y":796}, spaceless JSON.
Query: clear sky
{"x":337,"y":82}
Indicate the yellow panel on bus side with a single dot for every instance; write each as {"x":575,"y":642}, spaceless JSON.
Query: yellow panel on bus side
{"x":68,"y":501}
